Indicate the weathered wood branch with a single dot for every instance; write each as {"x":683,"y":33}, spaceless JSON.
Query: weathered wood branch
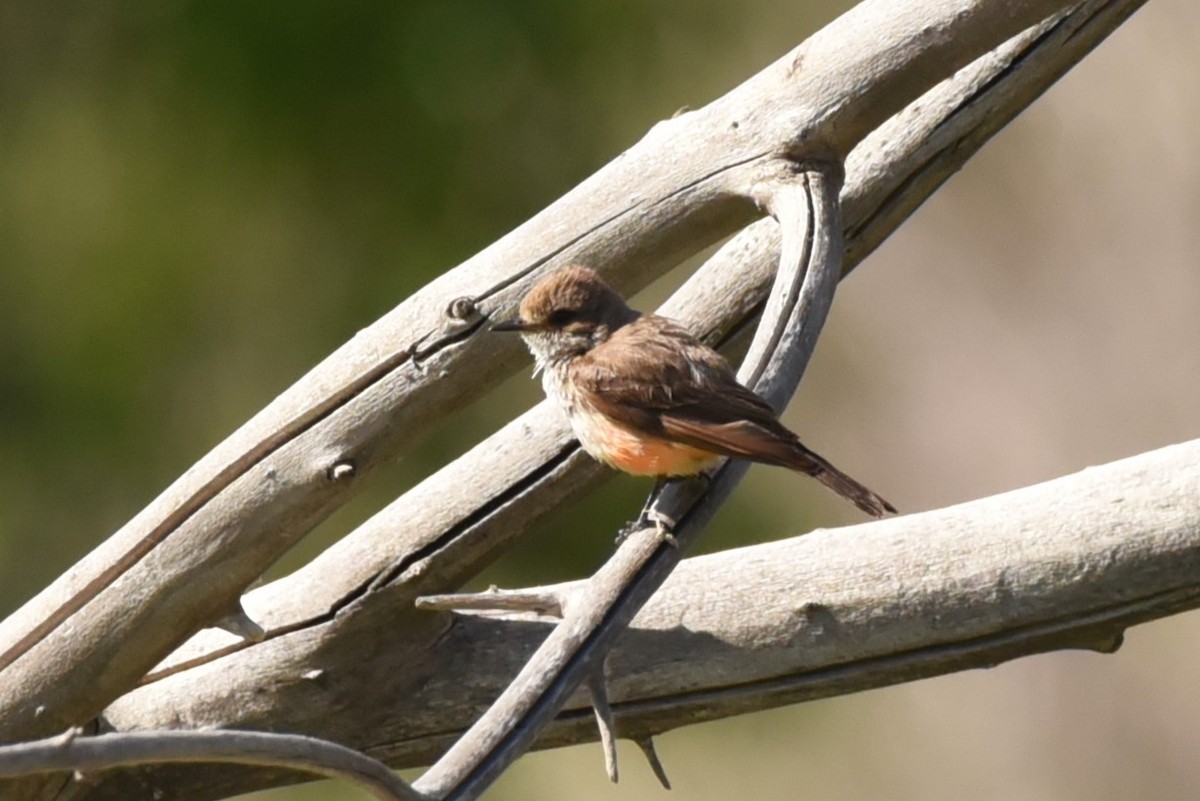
{"x":807,"y":207}
{"x":81,"y":754}
{"x":1068,"y":563}
{"x":183,"y":562}
{"x":898,"y":167}
{"x":436,"y":536}
{"x":1065,"y":564}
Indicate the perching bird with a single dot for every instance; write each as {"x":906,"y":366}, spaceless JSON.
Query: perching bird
{"x":645,"y":396}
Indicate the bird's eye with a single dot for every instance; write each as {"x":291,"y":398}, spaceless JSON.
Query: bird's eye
{"x":560,"y":317}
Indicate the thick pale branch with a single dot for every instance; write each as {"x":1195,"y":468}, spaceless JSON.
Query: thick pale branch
{"x":181,"y":563}
{"x":437,"y":535}
{"x":322,"y":620}
{"x":1066,"y":564}
{"x":380,"y":385}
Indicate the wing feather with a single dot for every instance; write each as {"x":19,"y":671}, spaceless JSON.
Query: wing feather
{"x":664,"y":383}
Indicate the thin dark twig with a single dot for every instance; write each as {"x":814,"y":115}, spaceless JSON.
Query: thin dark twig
{"x":646,"y":744}
{"x":805,"y":202}
{"x":71,"y":752}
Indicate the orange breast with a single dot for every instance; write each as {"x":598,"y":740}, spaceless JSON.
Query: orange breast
{"x":636,"y":453}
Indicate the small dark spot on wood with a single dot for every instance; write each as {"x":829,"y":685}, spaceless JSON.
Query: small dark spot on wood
{"x":417,"y":360}
{"x":734,"y":125}
{"x":819,"y":620}
{"x":796,"y":65}
{"x":463,"y":308}
{"x":341,"y":471}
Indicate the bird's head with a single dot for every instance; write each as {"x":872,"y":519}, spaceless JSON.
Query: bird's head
{"x":568,"y":313}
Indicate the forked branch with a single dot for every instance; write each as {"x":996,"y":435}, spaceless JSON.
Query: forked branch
{"x":806,"y":202}
{"x":193,"y":551}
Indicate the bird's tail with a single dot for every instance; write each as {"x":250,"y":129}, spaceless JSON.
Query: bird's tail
{"x":819,"y":468}
{"x":768,"y":441}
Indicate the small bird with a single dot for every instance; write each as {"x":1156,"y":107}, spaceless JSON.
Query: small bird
{"x":645,"y":396}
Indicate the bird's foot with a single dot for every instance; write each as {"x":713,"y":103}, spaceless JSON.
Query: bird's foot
{"x":663,"y":525}
{"x":666,"y":535}
{"x":632,"y":527}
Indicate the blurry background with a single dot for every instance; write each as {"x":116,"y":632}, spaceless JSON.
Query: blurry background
{"x":199,"y":201}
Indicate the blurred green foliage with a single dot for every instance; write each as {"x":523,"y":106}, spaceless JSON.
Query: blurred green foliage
{"x":198,"y":201}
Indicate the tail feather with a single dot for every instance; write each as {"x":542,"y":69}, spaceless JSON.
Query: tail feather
{"x":820,"y":469}
{"x":766,"y":440}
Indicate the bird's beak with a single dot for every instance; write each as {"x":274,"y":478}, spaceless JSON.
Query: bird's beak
{"x":510,"y":325}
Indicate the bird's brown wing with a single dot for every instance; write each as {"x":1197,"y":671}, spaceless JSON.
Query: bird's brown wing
{"x":666,"y":384}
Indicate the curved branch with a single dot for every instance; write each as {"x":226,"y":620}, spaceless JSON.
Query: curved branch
{"x":181,"y":564}
{"x":74,"y":752}
{"x":322,"y":619}
{"x":807,"y":207}
{"x":433,"y":537}
{"x":1069,"y":563}
{"x":592,"y":621}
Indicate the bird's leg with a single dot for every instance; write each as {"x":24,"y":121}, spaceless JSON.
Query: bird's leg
{"x":662,"y":523}
{"x":643,"y":520}
{"x":648,"y":517}
{"x":645,"y":517}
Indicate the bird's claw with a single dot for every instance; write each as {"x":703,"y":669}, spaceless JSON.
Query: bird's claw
{"x":626,"y":530}
{"x":663,"y":526}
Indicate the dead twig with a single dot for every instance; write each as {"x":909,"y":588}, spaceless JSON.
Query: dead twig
{"x":73,"y":752}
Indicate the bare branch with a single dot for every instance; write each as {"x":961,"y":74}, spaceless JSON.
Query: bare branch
{"x":321,"y":619}
{"x":1069,"y":563}
{"x":808,"y":274}
{"x":542,"y":603}
{"x":646,"y":744}
{"x":605,"y":725}
{"x":74,"y":752}
{"x":182,"y":562}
